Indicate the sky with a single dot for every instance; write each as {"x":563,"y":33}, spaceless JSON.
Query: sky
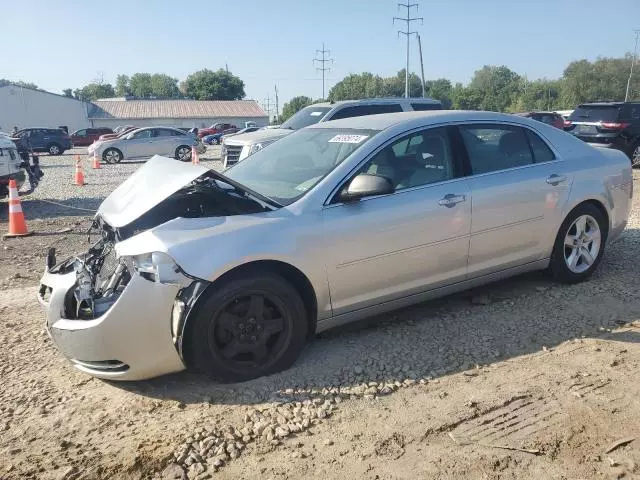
{"x":67,"y":44}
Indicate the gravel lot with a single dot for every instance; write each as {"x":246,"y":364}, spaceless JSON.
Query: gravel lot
{"x":520,"y":379}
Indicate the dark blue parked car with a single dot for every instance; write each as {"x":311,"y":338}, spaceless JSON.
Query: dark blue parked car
{"x":52,"y":140}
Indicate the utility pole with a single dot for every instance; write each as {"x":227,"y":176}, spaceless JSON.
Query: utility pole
{"x":277,"y":107}
{"x":323,"y":60}
{"x":633,"y":61}
{"x":266,"y":106}
{"x":421,"y":66}
{"x":408,"y":19}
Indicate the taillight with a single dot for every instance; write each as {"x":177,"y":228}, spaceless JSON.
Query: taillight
{"x":567,"y":123}
{"x":614,"y":125}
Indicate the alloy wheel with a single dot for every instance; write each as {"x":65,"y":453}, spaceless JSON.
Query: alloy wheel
{"x":251,"y":329}
{"x":54,"y":150}
{"x":184,"y":153}
{"x":582,"y":244}
{"x":111,"y":156}
{"x":635,"y":157}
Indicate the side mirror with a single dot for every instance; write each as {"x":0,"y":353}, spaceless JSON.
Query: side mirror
{"x":366,"y":185}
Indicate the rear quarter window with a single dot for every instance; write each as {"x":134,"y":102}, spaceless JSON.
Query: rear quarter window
{"x":362,"y":110}
{"x":541,"y":151}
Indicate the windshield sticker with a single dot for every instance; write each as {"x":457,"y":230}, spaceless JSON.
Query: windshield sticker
{"x":348,"y":138}
{"x":315,"y":114}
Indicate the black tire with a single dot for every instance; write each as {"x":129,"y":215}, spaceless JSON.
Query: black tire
{"x":54,"y":149}
{"x":558,"y":266}
{"x":223,"y":318}
{"x":180,"y":156}
{"x":214,"y":141}
{"x":112,"y":155}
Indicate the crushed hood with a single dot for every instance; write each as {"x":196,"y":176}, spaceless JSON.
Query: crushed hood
{"x":152,"y":183}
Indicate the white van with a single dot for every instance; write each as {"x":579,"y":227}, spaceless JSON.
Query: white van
{"x":10,"y":165}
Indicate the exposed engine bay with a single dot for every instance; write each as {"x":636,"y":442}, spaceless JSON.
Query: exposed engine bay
{"x":102,"y":276}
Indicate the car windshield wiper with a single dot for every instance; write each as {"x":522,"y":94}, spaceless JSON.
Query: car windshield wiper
{"x":244,"y":190}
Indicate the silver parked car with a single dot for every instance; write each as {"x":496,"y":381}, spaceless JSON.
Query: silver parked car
{"x":147,"y":142}
{"x":231,"y":273}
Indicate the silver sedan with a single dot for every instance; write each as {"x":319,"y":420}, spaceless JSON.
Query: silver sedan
{"x":230,"y":274}
{"x":145,"y":143}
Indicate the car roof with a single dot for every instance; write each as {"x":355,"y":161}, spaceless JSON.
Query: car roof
{"x":605,"y":104}
{"x":387,"y":120}
{"x":384,"y":100}
{"x":536,"y":112}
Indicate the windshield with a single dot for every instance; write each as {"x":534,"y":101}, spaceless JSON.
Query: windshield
{"x":293,"y":165}
{"x":586,"y":113}
{"x":305,"y":117}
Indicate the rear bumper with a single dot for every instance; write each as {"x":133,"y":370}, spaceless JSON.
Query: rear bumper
{"x":132,"y":340}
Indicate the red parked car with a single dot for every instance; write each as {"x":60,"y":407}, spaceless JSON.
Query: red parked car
{"x":112,"y":135}
{"x":86,"y":136}
{"x":550,"y":118}
{"x":215,"y":128}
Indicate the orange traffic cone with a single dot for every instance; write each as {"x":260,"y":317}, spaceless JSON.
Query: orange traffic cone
{"x":195,"y":159}
{"x":17,"y":225}
{"x":78,"y":178}
{"x":96,"y":162}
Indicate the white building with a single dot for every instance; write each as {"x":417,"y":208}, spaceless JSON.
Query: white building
{"x":28,"y":108}
{"x":24,"y":107}
{"x":178,"y":113}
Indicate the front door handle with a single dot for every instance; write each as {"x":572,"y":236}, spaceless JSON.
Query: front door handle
{"x":450,"y":200}
{"x":556,"y":179}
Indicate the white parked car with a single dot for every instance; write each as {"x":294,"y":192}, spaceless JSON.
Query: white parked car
{"x":230,"y":274}
{"x":147,"y":142}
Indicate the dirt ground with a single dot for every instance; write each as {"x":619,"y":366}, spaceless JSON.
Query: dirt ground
{"x":521,"y":379}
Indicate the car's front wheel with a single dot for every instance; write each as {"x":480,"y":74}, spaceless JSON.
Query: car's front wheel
{"x":254,"y":324}
{"x":112,"y":155}
{"x":214,"y":141}
{"x":579,"y":244}
{"x":183,"y":153}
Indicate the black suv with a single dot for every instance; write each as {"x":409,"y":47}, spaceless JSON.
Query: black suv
{"x":52,"y":140}
{"x":609,"y":125}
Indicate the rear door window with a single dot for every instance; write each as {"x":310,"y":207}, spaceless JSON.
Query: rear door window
{"x":165,"y":132}
{"x":591,"y":113}
{"x":495,"y":147}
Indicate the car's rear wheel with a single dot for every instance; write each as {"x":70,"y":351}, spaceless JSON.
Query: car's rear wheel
{"x":54,"y":149}
{"x":183,"y":153}
{"x":579,"y":245}
{"x":112,"y":155}
{"x":252,"y":325}
{"x":635,"y":156}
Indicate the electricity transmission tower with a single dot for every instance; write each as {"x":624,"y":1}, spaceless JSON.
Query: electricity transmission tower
{"x":323,"y":60}
{"x":408,"y":19}
{"x":633,"y":61}
{"x":266,"y":106}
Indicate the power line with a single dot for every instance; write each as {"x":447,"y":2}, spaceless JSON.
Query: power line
{"x":408,"y":34}
{"x":323,"y":60}
{"x":633,"y":61}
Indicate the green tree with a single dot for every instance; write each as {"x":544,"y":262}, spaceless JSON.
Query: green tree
{"x":394,"y":86}
{"x":498,"y":87}
{"x":293,"y":106}
{"x":94,"y":91}
{"x":20,"y":83}
{"x":355,"y":86}
{"x":208,"y":85}
{"x":440,"y":89}
{"x":123,"y":86}
{"x":465,"y":98}
{"x":164,"y":86}
{"x":140,"y":85}
{"x":67,"y":92}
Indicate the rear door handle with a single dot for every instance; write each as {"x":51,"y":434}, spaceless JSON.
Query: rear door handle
{"x":450,"y":200}
{"x":556,"y":179}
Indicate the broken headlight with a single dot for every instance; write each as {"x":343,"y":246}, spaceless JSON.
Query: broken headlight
{"x":158,"y":267}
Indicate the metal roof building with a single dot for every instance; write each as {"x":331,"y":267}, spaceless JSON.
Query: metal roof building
{"x":180,"y":113}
